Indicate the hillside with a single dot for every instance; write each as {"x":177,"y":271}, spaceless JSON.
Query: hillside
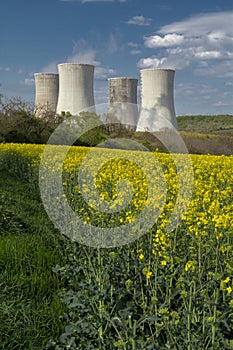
{"x":217,"y":124}
{"x":207,"y":134}
{"x":201,"y":134}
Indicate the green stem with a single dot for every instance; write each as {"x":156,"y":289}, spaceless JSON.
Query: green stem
{"x":189,"y":317}
{"x":199,"y":261}
{"x":100,"y":287}
{"x":215,"y":317}
{"x":203,"y":323}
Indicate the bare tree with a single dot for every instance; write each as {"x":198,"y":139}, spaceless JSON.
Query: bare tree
{"x":15,"y":104}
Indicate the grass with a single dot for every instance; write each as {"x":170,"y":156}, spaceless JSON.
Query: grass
{"x":201,"y":134}
{"x":30,"y":304}
{"x":207,"y":124}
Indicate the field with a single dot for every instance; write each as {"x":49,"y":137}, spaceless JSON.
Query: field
{"x":207,"y":134}
{"x":201,"y":134}
{"x":207,"y":124}
{"x":162,"y":290}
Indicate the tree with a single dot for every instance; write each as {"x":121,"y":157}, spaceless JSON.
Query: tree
{"x":19,"y":124}
{"x":73,"y":128}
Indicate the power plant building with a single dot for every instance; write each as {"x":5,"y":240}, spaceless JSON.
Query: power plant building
{"x":75,"y":87}
{"x":46,"y":94}
{"x":122,"y":101}
{"x":157,"y":111}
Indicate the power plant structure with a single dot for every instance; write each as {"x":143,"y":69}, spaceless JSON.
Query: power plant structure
{"x":75,"y":87}
{"x":46,"y":93}
{"x":72,"y":91}
{"x":157,"y":111}
{"x":122,"y":101}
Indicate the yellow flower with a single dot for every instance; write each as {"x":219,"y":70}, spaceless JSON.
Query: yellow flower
{"x":229,"y":290}
{"x":223,"y":249}
{"x":226,"y":280}
{"x":141,"y":256}
{"x":189,"y":265}
{"x":163,"y":262}
{"x":148,"y":274}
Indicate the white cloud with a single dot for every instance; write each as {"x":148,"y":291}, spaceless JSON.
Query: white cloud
{"x":203,"y":42}
{"x":167,"y":41}
{"x":222,"y":69}
{"x":102,"y":72}
{"x":207,"y":55}
{"x":87,"y":56}
{"x":140,"y":21}
{"x":135,"y":48}
{"x":201,"y":24}
{"x":151,"y":62}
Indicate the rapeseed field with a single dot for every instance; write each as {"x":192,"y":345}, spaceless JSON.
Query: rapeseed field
{"x":163,"y":289}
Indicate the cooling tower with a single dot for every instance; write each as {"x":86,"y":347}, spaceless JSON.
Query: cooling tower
{"x":157,"y":111}
{"x":46,"y":97}
{"x":75,"y":87}
{"x":123,"y":101}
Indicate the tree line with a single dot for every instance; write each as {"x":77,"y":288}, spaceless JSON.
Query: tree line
{"x":19,"y":123}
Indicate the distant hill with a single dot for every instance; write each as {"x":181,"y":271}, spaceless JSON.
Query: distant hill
{"x":207,"y":134}
{"x":201,"y":134}
{"x":207,"y":124}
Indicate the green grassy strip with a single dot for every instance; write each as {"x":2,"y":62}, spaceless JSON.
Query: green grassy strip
{"x":30,"y":304}
{"x":207,"y":124}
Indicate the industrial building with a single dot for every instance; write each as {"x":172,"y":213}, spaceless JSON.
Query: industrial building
{"x":122,"y":101}
{"x":75,"y":87}
{"x":46,"y":93}
{"x":72,"y":91}
{"x":157,"y":111}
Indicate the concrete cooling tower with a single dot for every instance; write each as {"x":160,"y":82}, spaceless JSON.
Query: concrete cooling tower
{"x":122,"y":101}
{"x":157,"y":111}
{"x":47,"y":85}
{"x":75,"y":87}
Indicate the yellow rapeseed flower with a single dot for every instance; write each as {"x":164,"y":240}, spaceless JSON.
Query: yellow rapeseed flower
{"x":148,"y":274}
{"x":226,"y":280}
{"x":189,"y":265}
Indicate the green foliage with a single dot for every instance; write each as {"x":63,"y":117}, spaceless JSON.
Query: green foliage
{"x":95,"y":135}
{"x":18,"y":123}
{"x":30,"y":305}
{"x":211,"y":124}
{"x":112,"y":305}
{"x":86,"y":123}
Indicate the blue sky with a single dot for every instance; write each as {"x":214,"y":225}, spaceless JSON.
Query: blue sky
{"x":121,"y":37}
